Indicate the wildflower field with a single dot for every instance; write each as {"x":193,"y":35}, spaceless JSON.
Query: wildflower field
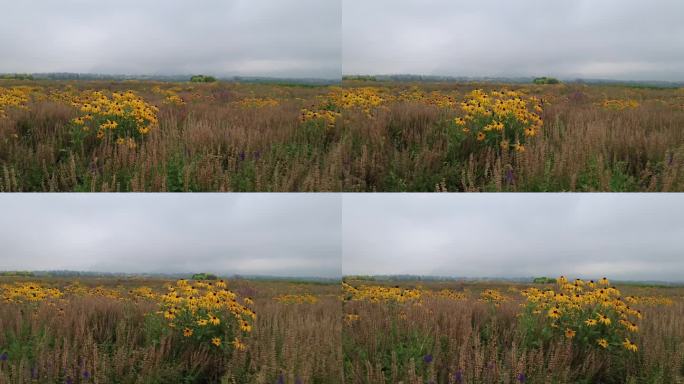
{"x":141,"y":330}
{"x":355,"y":136}
{"x":562,"y":331}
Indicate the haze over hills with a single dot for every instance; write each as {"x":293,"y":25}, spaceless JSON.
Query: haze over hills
{"x":435,"y":278}
{"x":165,"y":78}
{"x":161,"y":275}
{"x":511,"y":80}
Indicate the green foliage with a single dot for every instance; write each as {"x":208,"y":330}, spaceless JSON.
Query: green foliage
{"x":204,"y":276}
{"x":546,"y":80}
{"x":202,"y":79}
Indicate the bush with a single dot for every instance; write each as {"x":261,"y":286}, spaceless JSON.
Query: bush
{"x":202,"y":79}
{"x":546,"y":80}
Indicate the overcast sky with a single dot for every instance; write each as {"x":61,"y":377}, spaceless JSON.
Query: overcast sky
{"x":273,"y":234}
{"x":285,"y":38}
{"x":622,"y":236}
{"x":609,"y":39}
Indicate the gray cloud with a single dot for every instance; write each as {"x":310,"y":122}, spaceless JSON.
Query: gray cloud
{"x":274,"y":234}
{"x":624,"y":236}
{"x":611,"y":39}
{"x":291,"y":38}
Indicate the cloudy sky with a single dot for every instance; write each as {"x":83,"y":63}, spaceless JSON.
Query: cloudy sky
{"x":273,"y":234}
{"x":285,"y":38}
{"x":623,"y":236}
{"x":608,"y":39}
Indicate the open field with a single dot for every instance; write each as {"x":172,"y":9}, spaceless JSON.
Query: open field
{"x":358,"y":136}
{"x":134,"y":330}
{"x":501,"y":332}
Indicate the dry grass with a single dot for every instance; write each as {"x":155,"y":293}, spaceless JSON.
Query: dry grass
{"x":113,"y":340}
{"x":470,"y":341}
{"x":234,"y":137}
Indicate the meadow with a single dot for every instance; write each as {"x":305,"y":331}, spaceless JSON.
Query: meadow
{"x":568,"y":331}
{"x":148,"y":330}
{"x":359,"y":135}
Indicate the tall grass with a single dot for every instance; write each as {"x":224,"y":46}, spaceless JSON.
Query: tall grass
{"x":469,"y":341}
{"x":214,"y":143}
{"x":99,"y":339}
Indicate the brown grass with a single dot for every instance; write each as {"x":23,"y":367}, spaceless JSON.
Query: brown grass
{"x":213,"y":144}
{"x":110,"y":339}
{"x":474,"y":342}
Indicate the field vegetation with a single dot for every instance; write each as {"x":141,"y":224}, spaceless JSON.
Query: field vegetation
{"x":360,"y":135}
{"x":567,"y":331}
{"x":134,"y":330}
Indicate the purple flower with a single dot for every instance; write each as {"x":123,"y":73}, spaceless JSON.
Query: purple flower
{"x":510,"y":178}
{"x":458,"y":377}
{"x":86,"y":375}
{"x":241,"y":155}
{"x":4,"y":356}
{"x":34,"y":373}
{"x":69,"y":380}
{"x":281,"y":379}
{"x":427,"y":359}
{"x":521,"y":377}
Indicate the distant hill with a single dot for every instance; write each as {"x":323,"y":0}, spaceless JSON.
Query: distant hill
{"x":97,"y":274}
{"x":431,"y":278}
{"x":508,"y":80}
{"x":165,"y":78}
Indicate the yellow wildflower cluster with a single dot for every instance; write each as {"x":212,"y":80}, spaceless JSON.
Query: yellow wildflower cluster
{"x":257,"y":102}
{"x":376,"y":293}
{"x":145,"y":293}
{"x":296,"y":299}
{"x":78,"y":289}
{"x":435,"y":98}
{"x":123,"y":116}
{"x":28,"y":292}
{"x":492,"y":296}
{"x":504,"y":118}
{"x":651,"y":301}
{"x":206,"y":311}
{"x":366,"y":99}
{"x":587,"y":312}
{"x":14,"y":97}
{"x":619,"y":105}
{"x":328,"y":117}
{"x":449,"y":294}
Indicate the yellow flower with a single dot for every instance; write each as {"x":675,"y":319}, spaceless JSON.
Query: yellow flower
{"x":569,"y":333}
{"x":214,"y":320}
{"x":590,"y":322}
{"x":187,"y":332}
{"x":460,"y":121}
{"x":202,"y":322}
{"x":629,"y":345}
{"x":480,"y":136}
{"x":554,"y":313}
{"x":603,"y":343}
{"x":519,"y":147}
{"x":216,"y":341}
{"x":238,"y":345}
{"x":603,"y":319}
